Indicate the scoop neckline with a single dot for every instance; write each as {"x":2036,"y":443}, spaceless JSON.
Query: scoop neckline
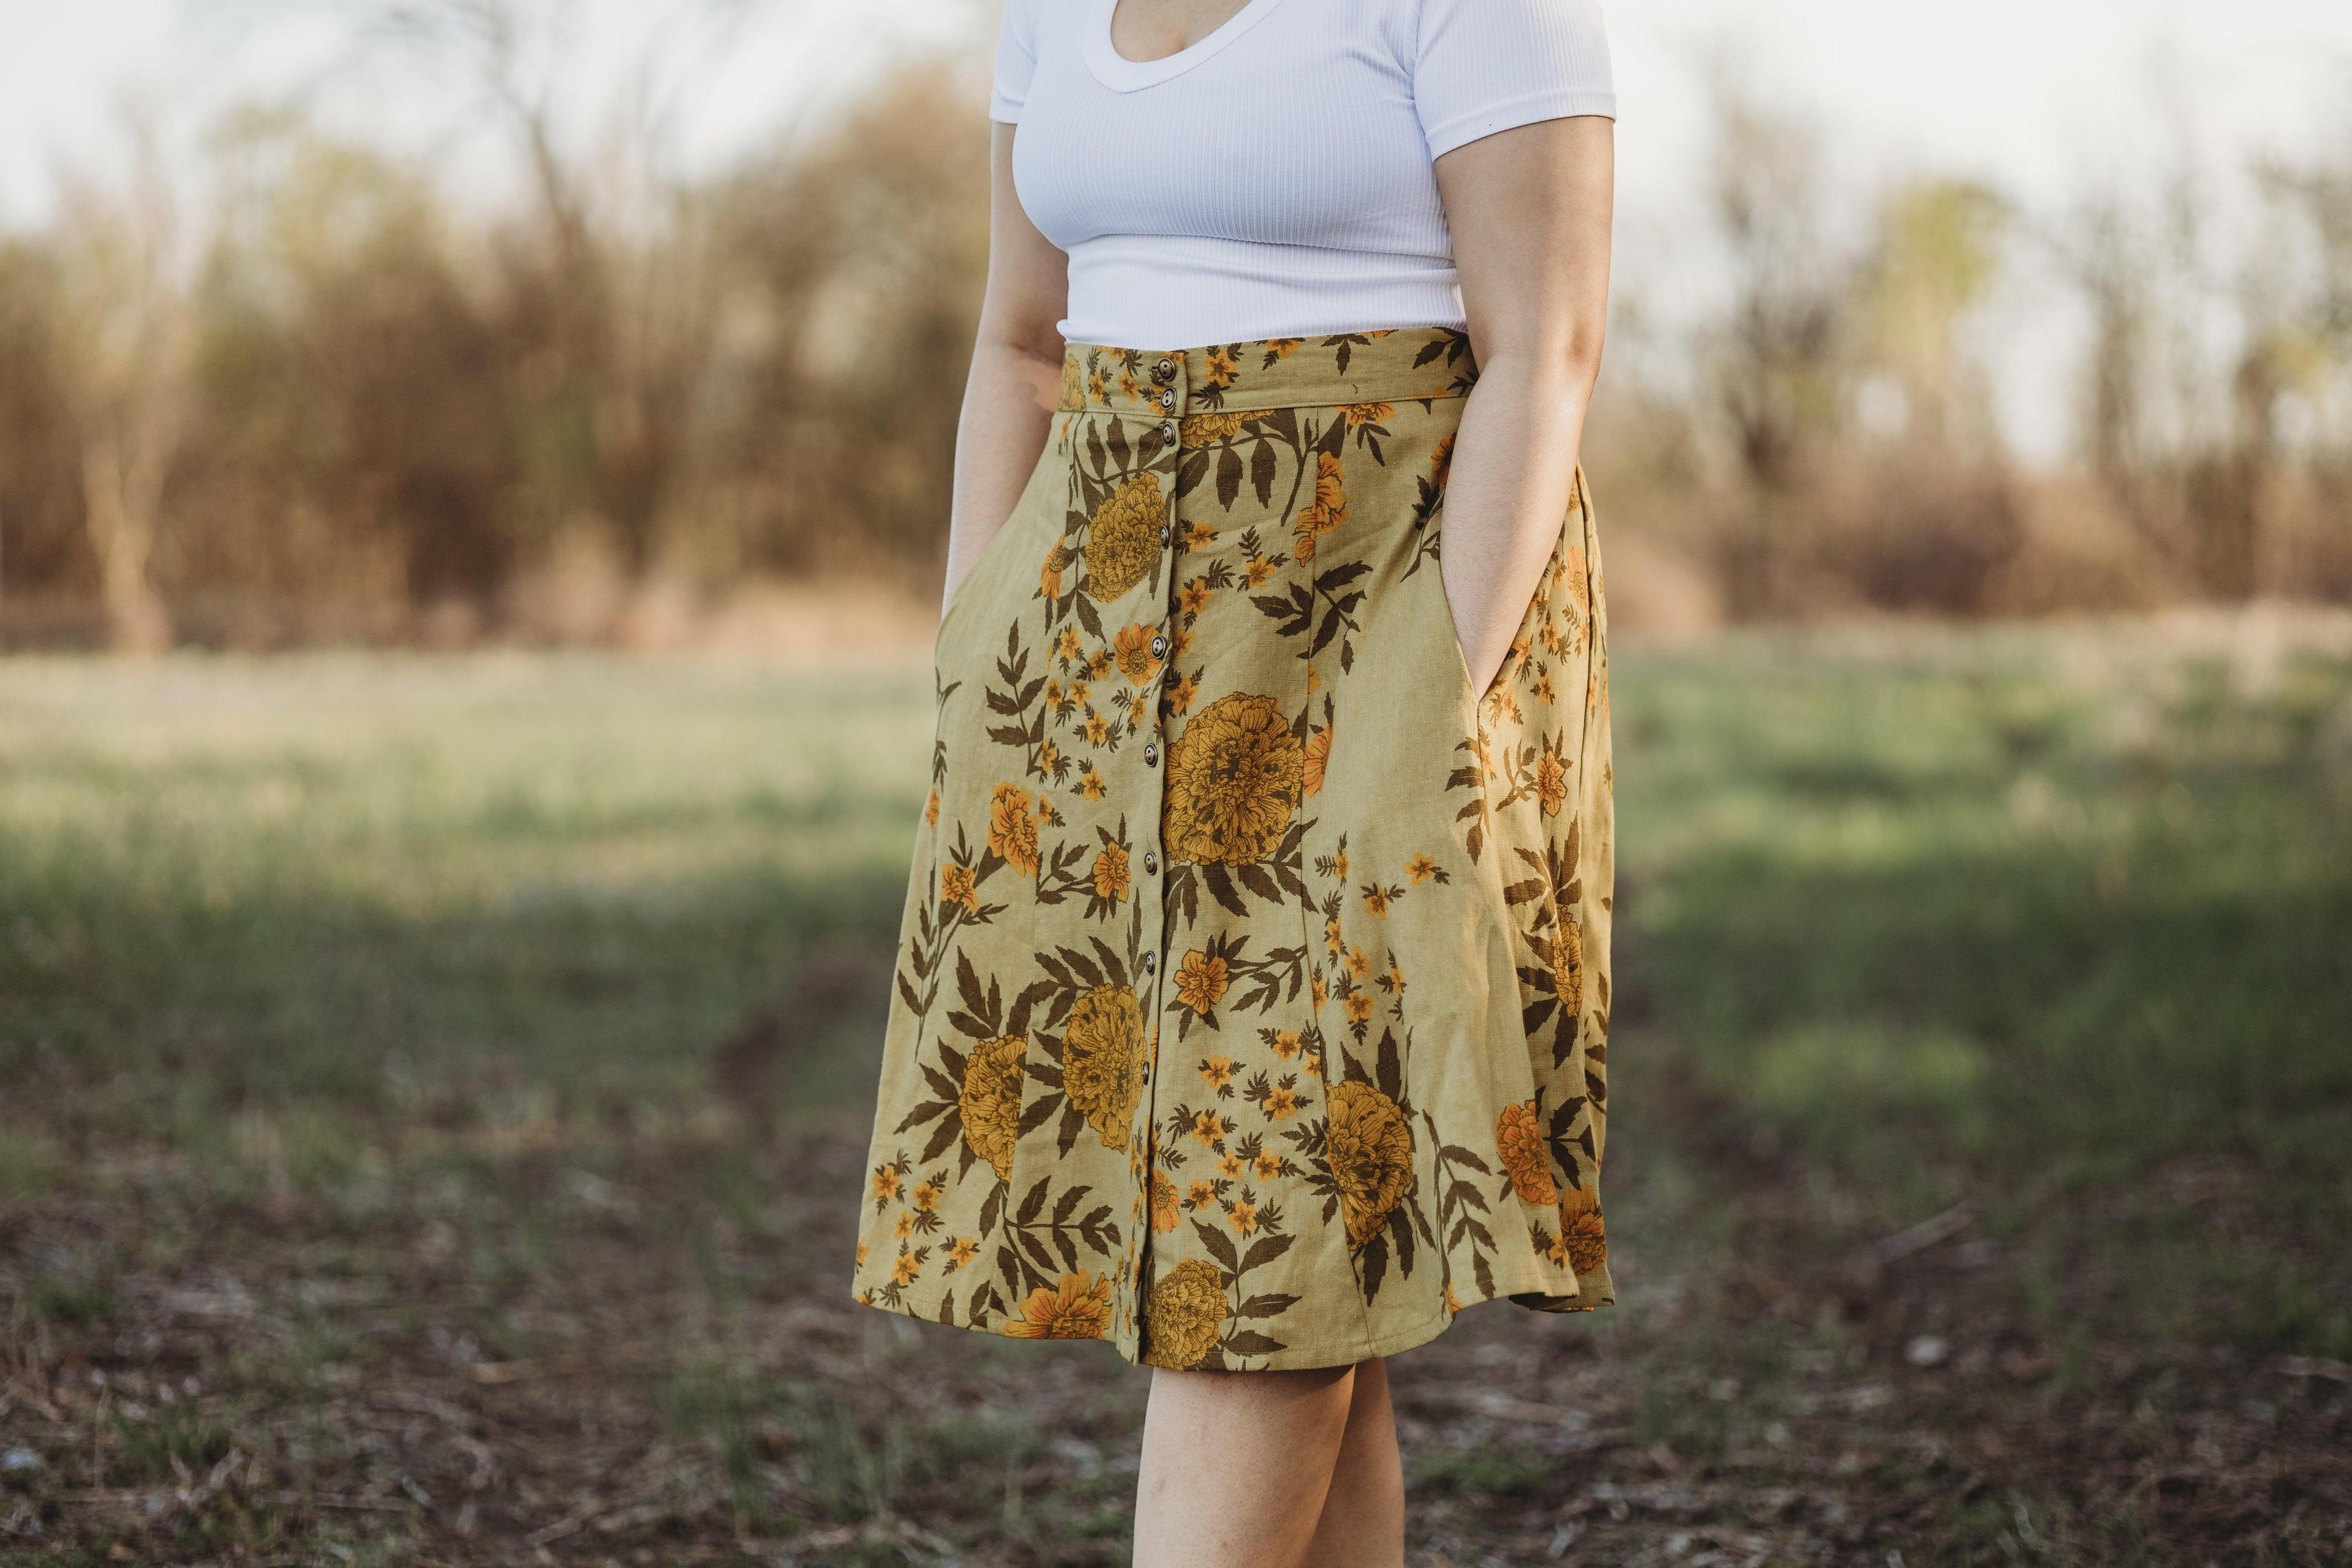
{"x":1118,"y":73}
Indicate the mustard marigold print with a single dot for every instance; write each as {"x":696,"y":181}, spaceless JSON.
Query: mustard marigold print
{"x":1251,"y":1001}
{"x":1233,"y":779}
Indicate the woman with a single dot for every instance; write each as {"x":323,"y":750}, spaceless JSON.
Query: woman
{"x":1252,"y":989}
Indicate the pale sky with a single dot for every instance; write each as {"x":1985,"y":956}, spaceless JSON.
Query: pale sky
{"x":2044,"y":98}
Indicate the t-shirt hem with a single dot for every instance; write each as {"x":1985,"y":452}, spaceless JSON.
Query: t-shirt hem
{"x":1517,"y":112}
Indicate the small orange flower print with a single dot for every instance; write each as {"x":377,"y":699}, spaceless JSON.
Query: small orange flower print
{"x":1281,"y":348}
{"x":1242,"y":1214}
{"x":1318,"y":756}
{"x":1359,"y":415}
{"x":903,"y":1226}
{"x":1281,"y":1103}
{"x":885,"y":1182}
{"x":926,"y":1195}
{"x":903,"y":1270}
{"x":1327,"y":511}
{"x":932,"y":810}
{"x":1181,"y":693}
{"x":1360,"y":963}
{"x":1231,"y":1165}
{"x":1358,"y":1007}
{"x":1077,"y":1308}
{"x":1520,"y":1142}
{"x":962,"y":1250}
{"x":1110,"y":873}
{"x":1268,"y":1166}
{"x":1133,"y":652}
{"x":1551,"y":782}
{"x":1376,"y":899}
{"x":1208,"y":1127}
{"x":1218,"y":370}
{"x":956,"y":886}
{"x":862,"y":1248}
{"x":1011,"y":831}
{"x":1091,"y":783}
{"x":1333,"y":941}
{"x":1216,"y":1071}
{"x":1193,"y":597}
{"x":1578,"y":588}
{"x":1420,"y":869}
{"x":1201,"y":981}
{"x":1200,"y":535}
{"x":1200,"y":1196}
{"x":1441,"y":457}
{"x":1257,"y":573}
{"x":1285,"y":1042}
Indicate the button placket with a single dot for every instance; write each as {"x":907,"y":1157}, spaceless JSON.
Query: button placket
{"x":1169,"y":375}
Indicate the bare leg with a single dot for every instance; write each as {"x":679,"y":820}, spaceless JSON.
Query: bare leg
{"x":1236,"y":1466}
{"x":1363,"y":1513}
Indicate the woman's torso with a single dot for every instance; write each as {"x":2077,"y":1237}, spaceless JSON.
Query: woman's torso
{"x":1276,"y":179}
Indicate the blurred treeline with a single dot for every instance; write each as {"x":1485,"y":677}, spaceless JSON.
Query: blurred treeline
{"x":340,"y":403}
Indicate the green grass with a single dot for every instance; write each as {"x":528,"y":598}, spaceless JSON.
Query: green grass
{"x":462,"y":968}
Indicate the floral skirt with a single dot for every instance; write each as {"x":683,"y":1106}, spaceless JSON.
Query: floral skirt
{"x":1253,"y":991}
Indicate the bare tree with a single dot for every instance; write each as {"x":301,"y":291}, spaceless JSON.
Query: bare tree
{"x":126,"y":319}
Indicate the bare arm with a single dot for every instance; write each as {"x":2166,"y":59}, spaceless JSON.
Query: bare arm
{"x":1016,"y":371}
{"x":1529,"y":210}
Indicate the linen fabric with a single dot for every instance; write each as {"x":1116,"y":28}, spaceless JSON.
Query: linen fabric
{"x":1252,"y":996}
{"x":1274,"y":179}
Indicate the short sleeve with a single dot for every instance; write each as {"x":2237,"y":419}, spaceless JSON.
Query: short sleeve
{"x":1016,"y":61}
{"x":1484,"y":66}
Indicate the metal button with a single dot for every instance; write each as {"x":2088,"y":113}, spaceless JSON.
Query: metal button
{"x":1164,"y":371}
{"x":1150,"y":964}
{"x":1163,"y":533}
{"x":1168,"y":398}
{"x":1167,"y":430}
{"x":1159,"y":648}
{"x":1150,"y":754}
{"x":1151,"y":864}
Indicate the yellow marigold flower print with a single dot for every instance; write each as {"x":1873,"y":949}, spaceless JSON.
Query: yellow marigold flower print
{"x":1123,"y":536}
{"x":1551,"y":781}
{"x":1012,"y":830}
{"x":990,"y":1101}
{"x":1567,"y":957}
{"x":1102,"y":1061}
{"x":1165,"y":1206}
{"x":1233,"y":776}
{"x":1110,"y":874}
{"x":1316,"y":759}
{"x":1074,"y":383}
{"x":1420,"y":869}
{"x":1359,"y":415}
{"x":1369,"y":1148}
{"x":1520,"y":1142}
{"x":956,"y":886}
{"x":1183,"y":1315}
{"x":1077,"y":1308}
{"x":1132,"y":649}
{"x":1207,"y":429}
{"x":1582,"y":1232}
{"x":1327,"y":511}
{"x":1201,"y":981}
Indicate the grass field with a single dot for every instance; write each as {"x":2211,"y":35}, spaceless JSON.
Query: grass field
{"x":432,"y":1099}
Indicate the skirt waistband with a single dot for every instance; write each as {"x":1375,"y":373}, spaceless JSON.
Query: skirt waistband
{"x":1397,"y":365}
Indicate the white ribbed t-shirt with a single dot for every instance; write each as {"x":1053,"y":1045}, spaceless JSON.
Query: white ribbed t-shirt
{"x":1276,"y":179}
